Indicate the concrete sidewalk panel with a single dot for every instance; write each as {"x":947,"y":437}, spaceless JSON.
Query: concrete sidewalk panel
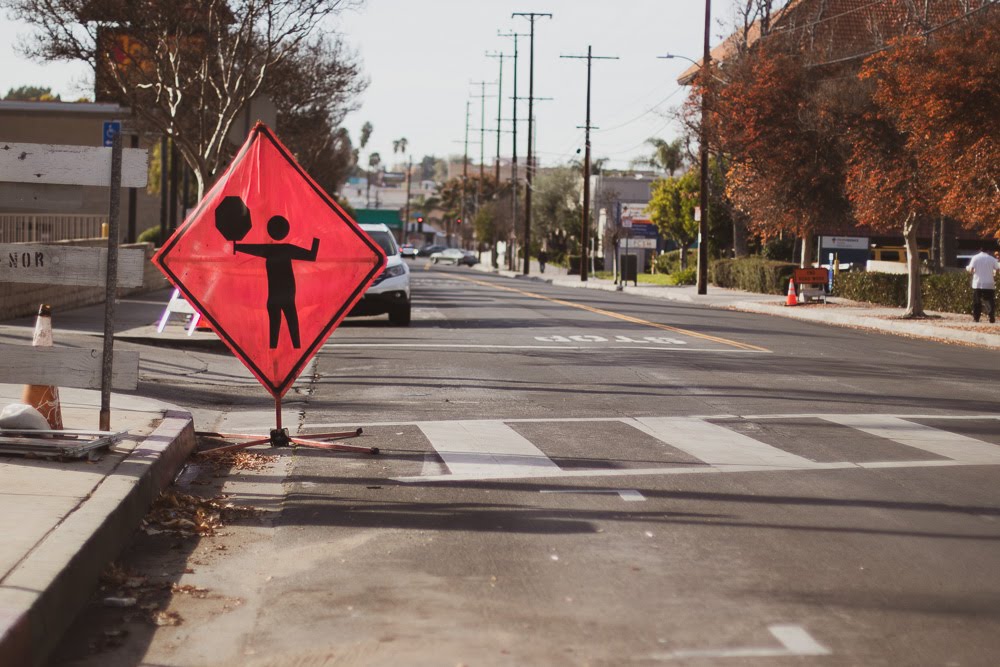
{"x":43,"y":594}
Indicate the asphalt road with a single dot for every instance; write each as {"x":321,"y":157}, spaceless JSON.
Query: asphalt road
{"x":576,"y":477}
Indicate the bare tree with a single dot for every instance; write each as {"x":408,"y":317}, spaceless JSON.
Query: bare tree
{"x":187,"y":69}
{"x":314,"y":90}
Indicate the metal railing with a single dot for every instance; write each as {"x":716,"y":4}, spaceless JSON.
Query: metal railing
{"x":47,"y":228}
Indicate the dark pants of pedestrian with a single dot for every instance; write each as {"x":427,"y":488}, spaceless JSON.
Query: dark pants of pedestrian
{"x":987,"y":296}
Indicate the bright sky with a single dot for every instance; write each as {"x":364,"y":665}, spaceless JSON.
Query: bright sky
{"x":423,"y":57}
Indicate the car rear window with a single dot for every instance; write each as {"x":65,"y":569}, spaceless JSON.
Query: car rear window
{"x":385,"y":240}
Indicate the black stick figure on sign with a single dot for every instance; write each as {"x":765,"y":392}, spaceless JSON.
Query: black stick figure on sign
{"x":232,"y":219}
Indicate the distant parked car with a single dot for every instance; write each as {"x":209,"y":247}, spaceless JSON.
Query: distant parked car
{"x":408,"y":250}
{"x":454,"y":256}
{"x":429,"y":250}
{"x":390,"y":291}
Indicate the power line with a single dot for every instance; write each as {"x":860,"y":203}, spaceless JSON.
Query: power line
{"x":644,"y":113}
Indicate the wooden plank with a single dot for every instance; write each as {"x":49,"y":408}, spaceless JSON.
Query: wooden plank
{"x":66,"y":367}
{"x":67,"y":265}
{"x":18,"y":197}
{"x":69,"y":165}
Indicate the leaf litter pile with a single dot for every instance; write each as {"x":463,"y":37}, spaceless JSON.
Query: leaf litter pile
{"x":185,"y":514}
{"x":239,"y":460}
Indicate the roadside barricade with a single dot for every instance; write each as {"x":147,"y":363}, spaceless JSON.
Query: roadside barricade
{"x":811,"y":283}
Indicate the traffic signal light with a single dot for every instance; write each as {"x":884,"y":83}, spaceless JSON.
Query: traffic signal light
{"x":458,"y":221}
{"x":420,"y":219}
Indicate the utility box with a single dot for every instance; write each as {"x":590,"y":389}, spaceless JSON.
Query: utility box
{"x":630,"y":268}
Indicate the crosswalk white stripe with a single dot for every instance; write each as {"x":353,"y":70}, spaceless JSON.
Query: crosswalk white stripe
{"x":717,"y":445}
{"x":950,"y":445}
{"x":486,"y":448}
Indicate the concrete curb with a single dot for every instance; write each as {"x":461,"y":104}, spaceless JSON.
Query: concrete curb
{"x":914,"y":328}
{"x":45,"y":593}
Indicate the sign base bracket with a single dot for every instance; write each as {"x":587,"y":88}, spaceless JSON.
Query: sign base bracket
{"x":279,"y":437}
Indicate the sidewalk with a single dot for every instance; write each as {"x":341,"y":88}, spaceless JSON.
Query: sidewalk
{"x":63,"y":522}
{"x":941,"y":327}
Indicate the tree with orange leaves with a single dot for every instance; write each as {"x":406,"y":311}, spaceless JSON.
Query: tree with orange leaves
{"x":942,"y":94}
{"x":775,"y":121}
{"x":929,"y":143}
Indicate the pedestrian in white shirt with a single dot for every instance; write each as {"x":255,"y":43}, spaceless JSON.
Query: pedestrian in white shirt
{"x":983,"y":267}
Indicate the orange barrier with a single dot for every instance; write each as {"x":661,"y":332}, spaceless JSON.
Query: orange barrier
{"x":43,"y":397}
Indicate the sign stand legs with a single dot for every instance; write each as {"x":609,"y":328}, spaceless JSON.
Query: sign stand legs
{"x":279,"y":438}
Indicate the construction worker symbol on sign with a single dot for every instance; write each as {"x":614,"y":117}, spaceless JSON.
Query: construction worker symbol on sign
{"x":232,"y":219}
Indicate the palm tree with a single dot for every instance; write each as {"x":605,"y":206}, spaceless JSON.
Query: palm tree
{"x":667,"y":155}
{"x":374,"y":160}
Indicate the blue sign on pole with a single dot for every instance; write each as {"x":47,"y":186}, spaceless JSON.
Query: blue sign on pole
{"x":111,"y":128}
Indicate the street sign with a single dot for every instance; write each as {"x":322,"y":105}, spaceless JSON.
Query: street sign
{"x":111,"y":128}
{"x":271,"y":261}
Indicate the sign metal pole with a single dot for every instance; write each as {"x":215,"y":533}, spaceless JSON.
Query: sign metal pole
{"x":111,"y":285}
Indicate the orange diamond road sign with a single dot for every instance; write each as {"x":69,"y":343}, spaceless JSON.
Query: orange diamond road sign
{"x":271,"y":261}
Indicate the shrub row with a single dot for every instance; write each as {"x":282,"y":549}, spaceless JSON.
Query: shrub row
{"x":752,"y":274}
{"x":947,"y":292}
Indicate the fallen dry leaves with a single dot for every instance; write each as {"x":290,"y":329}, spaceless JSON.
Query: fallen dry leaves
{"x":238,"y":460}
{"x":191,"y":515}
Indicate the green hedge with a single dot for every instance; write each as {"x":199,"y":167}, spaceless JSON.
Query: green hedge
{"x":752,"y":274}
{"x":947,"y":292}
{"x":151,"y":235}
{"x":688,"y":276}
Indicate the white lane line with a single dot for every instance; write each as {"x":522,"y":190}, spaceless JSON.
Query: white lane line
{"x":582,"y":348}
{"x":643,"y":472}
{"x":485,"y":448}
{"x":942,"y":443}
{"x":628,"y":420}
{"x":628,"y":495}
{"x":717,"y":445}
{"x":795,"y":641}
{"x":824,"y":415}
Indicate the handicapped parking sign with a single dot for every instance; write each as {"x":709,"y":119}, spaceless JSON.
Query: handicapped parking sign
{"x":111,"y":128}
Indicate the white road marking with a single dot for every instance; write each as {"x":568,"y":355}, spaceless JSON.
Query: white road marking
{"x":592,"y":338}
{"x":642,"y":472}
{"x":723,"y":451}
{"x":487,"y":346}
{"x":485,"y":448}
{"x":628,"y":495}
{"x":432,"y":466}
{"x":794,"y":639}
{"x":950,"y":445}
{"x":716,"y":445}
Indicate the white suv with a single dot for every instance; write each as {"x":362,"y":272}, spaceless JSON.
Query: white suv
{"x":390,"y":293}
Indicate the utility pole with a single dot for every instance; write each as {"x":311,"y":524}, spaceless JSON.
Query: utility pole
{"x":482,"y":140}
{"x":406,"y":209}
{"x":465,"y":167}
{"x":530,"y":167}
{"x":706,"y":62}
{"x":499,"y":111}
{"x":513,"y":159}
{"x":585,"y":232}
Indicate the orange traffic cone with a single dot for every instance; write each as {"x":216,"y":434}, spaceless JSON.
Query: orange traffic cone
{"x":792,"y":299}
{"x":43,"y":397}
